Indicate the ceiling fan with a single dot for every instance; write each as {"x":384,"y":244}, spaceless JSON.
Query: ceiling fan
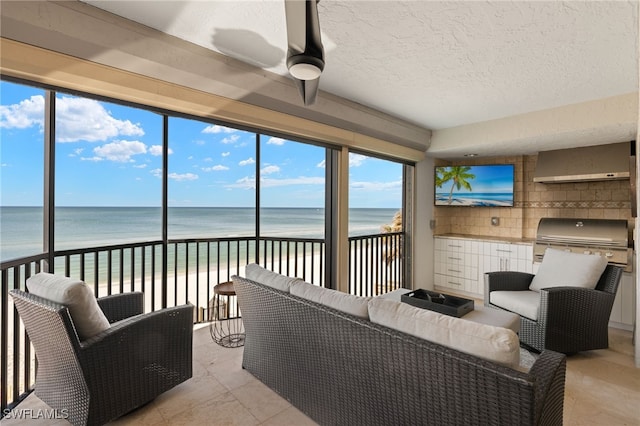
{"x":305,"y":55}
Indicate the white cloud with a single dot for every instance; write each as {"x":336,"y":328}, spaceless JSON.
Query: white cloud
{"x":302,"y":180}
{"x":230,"y":139}
{"x":174,"y":176}
{"x":275,"y":141}
{"x":184,"y":176}
{"x":270,"y":169}
{"x":246,"y":162}
{"x":77,"y":119}
{"x":376,"y":186}
{"x":86,"y":119}
{"x":94,"y":159}
{"x":140,"y":166}
{"x":244,"y":183}
{"x":76,"y":152}
{"x":217,"y":168}
{"x":214,"y":128}
{"x":356,"y":160}
{"x":157,"y":150}
{"x":250,"y":182}
{"x":27,"y":113}
{"x":226,"y":154}
{"x":120,"y":151}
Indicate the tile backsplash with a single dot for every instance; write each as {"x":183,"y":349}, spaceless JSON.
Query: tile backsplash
{"x":532,"y":201}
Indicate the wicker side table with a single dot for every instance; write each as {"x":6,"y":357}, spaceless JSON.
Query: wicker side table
{"x":226,"y":330}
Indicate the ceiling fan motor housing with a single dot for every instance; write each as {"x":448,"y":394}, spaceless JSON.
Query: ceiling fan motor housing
{"x":305,"y":66}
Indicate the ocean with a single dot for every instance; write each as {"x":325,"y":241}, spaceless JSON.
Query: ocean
{"x":21,"y":229}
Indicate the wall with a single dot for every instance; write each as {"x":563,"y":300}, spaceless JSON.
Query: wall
{"x":586,"y":200}
{"x":532,"y":201}
{"x":423,"y":234}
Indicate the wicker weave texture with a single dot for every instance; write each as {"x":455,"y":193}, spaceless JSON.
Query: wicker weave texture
{"x":570,"y":319}
{"x":114,"y":372}
{"x":343,"y":370}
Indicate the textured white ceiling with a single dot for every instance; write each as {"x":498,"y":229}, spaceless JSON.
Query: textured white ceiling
{"x":438,"y":64}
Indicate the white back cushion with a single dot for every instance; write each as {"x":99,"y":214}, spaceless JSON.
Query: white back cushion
{"x":349,"y":303}
{"x":565,"y":269}
{"x":76,"y":295}
{"x":496,"y":344}
{"x":257,"y":273}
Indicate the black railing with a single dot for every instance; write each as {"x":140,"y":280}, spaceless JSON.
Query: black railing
{"x":188,"y":274}
{"x":376,"y":264}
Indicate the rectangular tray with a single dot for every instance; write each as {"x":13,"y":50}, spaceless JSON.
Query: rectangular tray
{"x":443,"y":303}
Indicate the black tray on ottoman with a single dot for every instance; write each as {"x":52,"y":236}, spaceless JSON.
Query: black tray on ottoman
{"x":438,"y":302}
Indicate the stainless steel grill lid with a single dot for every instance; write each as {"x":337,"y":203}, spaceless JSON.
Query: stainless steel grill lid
{"x":603,"y":237}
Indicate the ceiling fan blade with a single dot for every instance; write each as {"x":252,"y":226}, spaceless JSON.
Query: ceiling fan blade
{"x":305,"y":54}
{"x":308,"y":90}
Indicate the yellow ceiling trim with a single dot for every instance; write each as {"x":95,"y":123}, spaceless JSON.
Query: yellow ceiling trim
{"x":43,"y":66}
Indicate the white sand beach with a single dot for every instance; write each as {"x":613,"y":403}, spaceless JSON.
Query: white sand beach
{"x":472,"y":202}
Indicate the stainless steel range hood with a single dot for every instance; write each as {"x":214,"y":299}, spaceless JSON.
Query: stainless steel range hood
{"x":593,"y":163}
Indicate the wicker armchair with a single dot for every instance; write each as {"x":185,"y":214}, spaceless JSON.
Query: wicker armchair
{"x":106,"y":376}
{"x":570,"y":319}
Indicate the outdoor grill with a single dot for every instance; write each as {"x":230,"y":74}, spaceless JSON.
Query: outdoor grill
{"x":601,"y":237}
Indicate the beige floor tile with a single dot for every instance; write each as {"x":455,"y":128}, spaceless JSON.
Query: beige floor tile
{"x":231,"y":374}
{"x":31,"y":411}
{"x":148,"y":415}
{"x":188,"y":395}
{"x":261,"y":401}
{"x":602,"y":388}
{"x":289,"y":417}
{"x":220,"y":410}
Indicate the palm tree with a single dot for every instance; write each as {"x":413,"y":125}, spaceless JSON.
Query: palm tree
{"x":396,"y":224}
{"x":393,"y":250}
{"x":459,"y":176}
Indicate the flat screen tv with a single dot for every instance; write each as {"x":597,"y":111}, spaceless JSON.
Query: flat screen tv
{"x":474,"y":186}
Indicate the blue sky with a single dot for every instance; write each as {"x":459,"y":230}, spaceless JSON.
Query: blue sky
{"x":111,"y":155}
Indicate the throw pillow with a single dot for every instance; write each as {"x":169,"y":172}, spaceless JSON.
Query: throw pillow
{"x":257,"y":273}
{"x":496,"y":344}
{"x":565,"y":269}
{"x":76,"y":295}
{"x":348,"y":303}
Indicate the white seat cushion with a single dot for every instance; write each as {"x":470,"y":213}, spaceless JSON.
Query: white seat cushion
{"x":76,"y":295}
{"x":349,"y":303}
{"x":494,"y":316}
{"x":496,"y":344}
{"x":257,"y":273}
{"x":560,"y":268}
{"x":525,"y":303}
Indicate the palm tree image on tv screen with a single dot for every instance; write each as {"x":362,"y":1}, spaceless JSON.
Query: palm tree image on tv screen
{"x":474,"y":186}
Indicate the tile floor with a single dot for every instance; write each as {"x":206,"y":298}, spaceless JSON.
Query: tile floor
{"x":602,"y":388}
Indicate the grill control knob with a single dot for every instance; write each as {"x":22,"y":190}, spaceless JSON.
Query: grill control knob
{"x":587,"y":252}
{"x":608,"y":254}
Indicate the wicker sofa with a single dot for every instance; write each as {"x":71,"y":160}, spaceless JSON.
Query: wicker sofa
{"x":342,"y":369}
